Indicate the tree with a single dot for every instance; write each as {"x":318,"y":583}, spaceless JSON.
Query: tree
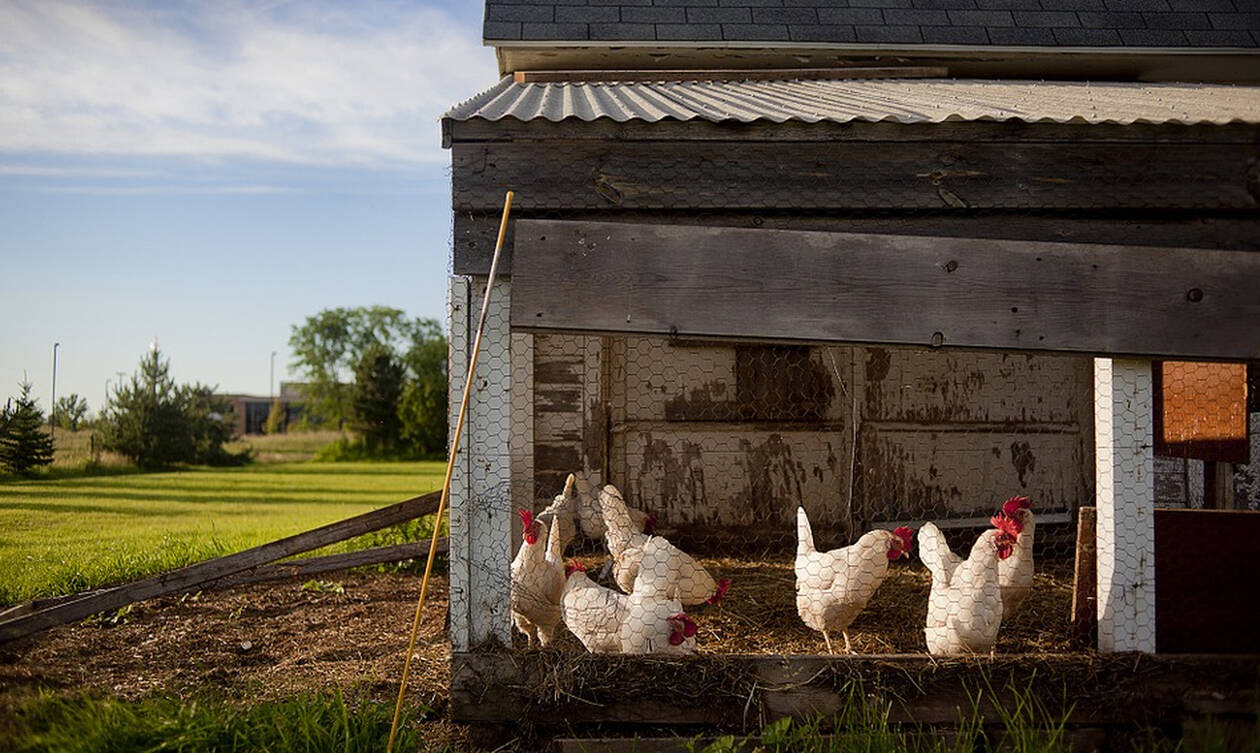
{"x":328,"y":347}
{"x":24,"y":445}
{"x":378,"y":389}
{"x":424,"y":402}
{"x":70,"y":411}
{"x":157,"y":423}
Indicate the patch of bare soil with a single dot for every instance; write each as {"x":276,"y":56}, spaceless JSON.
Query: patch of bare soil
{"x":258,"y":642}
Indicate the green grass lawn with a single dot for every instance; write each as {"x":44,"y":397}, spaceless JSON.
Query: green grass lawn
{"x":60,"y":535}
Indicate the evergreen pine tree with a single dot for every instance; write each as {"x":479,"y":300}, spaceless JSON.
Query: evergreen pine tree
{"x":24,"y":445}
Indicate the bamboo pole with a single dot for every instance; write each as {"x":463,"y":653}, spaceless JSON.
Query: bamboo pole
{"x":450,"y":468}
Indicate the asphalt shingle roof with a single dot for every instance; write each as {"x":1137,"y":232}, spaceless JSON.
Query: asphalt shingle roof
{"x":1038,"y":23}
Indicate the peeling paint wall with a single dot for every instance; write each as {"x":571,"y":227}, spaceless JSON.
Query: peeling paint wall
{"x":730,"y":435}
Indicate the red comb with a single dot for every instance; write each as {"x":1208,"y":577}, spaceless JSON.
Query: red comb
{"x":527,"y":518}
{"x":906,"y":534}
{"x":1007,"y":525}
{"x":719,"y":593}
{"x":573,"y":567}
{"x":1016,"y":503}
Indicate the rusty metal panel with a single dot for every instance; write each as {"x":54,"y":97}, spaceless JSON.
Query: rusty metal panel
{"x":916,"y":385}
{"x":923,"y":473}
{"x":735,"y":476}
{"x":1201,"y":411}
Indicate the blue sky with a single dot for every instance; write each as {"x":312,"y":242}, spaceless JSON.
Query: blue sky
{"x":211,"y":173}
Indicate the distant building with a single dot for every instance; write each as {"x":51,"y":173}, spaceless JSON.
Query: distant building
{"x":251,"y":411}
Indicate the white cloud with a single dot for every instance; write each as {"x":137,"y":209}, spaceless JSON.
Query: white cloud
{"x":357,"y":84}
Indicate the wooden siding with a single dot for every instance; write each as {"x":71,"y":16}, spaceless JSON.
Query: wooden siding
{"x":918,"y":175}
{"x":836,"y":287}
{"x":475,"y":232}
{"x":937,"y":434}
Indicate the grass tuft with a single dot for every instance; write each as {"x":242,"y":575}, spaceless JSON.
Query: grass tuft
{"x":303,"y":724}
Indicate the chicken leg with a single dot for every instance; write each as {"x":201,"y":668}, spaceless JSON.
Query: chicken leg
{"x":827,"y":638}
{"x":848,"y":647}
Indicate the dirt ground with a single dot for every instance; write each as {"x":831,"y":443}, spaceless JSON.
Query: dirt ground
{"x":260,"y":641}
{"x":274,"y":641}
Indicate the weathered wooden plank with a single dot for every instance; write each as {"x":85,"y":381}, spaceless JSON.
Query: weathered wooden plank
{"x":915,"y":175}
{"x":511,"y":129}
{"x":918,"y":386}
{"x":475,"y":232}
{"x":177,"y":581}
{"x":808,"y":286}
{"x":309,"y":566}
{"x":963,"y":471}
{"x":744,"y":692}
{"x":1206,"y":592}
{"x":1085,"y":580}
{"x":760,"y":74}
{"x":265,"y":573}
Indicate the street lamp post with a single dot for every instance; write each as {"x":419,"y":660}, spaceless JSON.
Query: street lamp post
{"x":52,"y":412}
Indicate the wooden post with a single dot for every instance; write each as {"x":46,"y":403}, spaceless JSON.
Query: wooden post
{"x":1125,"y":482}
{"x":481,"y":498}
{"x":1085,"y":582}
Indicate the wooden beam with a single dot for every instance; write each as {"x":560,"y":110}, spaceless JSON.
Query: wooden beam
{"x":836,"y":287}
{"x":744,"y":692}
{"x":765,"y":176}
{"x":303,"y":568}
{"x":731,"y":74}
{"x":186,"y":578}
{"x":476,"y":232}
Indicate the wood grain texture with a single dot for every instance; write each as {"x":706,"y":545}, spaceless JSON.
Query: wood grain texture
{"x":843,"y":175}
{"x":475,"y":232}
{"x":177,"y":581}
{"x":1085,"y":580}
{"x":838,"y":287}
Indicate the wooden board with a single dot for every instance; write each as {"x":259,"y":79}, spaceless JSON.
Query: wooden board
{"x":1085,"y":580}
{"x":1207,"y":576}
{"x":810,"y":175}
{"x":838,"y":287}
{"x":185,"y":578}
{"x":560,"y":691}
{"x":475,"y":232}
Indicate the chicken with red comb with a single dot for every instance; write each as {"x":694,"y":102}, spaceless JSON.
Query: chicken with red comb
{"x":968,"y":612}
{"x":1015,"y":573}
{"x":833,"y":587}
{"x":537,"y":579}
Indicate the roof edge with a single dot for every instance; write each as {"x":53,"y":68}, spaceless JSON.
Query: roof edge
{"x":1224,"y":65}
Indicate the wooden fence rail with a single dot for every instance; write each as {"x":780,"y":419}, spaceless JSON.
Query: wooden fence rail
{"x":225,"y":568}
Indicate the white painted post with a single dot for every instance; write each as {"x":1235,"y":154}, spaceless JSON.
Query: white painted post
{"x":481,"y":493}
{"x":1125,"y":483}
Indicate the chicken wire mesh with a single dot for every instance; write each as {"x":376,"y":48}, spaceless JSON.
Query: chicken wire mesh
{"x":680,"y":496}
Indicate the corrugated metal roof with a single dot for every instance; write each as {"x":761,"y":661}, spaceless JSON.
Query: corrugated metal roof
{"x":870,"y":100}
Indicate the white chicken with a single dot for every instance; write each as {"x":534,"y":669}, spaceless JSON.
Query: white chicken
{"x":578,"y":509}
{"x":833,"y":587}
{"x":941,"y":562}
{"x":593,"y":613}
{"x":972,"y":601}
{"x":1015,"y":573}
{"x":655,"y":622}
{"x":537,"y":582}
{"x":680,"y":576}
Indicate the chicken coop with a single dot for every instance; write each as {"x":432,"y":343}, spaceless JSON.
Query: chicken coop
{"x":876,"y":300}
